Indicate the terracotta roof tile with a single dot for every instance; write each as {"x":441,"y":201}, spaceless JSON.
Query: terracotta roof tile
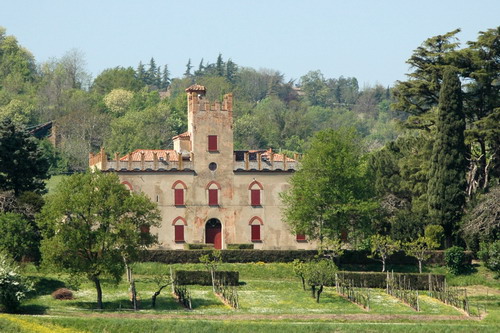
{"x":196,"y":87}
{"x":182,"y":136}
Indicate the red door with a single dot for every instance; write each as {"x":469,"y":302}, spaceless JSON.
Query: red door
{"x":213,"y":233}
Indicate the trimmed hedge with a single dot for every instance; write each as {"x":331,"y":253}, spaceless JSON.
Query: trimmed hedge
{"x":378,"y":279}
{"x":199,"y":246}
{"x":204,"y":278}
{"x":243,"y":256}
{"x":240,"y":246}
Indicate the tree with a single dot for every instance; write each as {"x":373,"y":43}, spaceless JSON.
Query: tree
{"x":92,"y":225}
{"x":419,"y":249}
{"x":22,"y":164}
{"x":319,"y":273}
{"x":118,"y":101}
{"x":187,"y":73}
{"x":212,"y":261}
{"x":219,"y":66}
{"x":329,"y":194}
{"x":19,"y":237}
{"x":117,"y":78}
{"x":165,"y":78}
{"x":299,"y":269}
{"x":383,"y":247}
{"x":447,"y":184}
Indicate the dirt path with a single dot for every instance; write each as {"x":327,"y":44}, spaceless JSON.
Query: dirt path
{"x":298,"y":317}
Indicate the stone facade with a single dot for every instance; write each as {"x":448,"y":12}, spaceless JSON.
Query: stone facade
{"x":206,"y":191}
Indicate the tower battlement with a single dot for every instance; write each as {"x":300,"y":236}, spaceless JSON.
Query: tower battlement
{"x":198,"y":102}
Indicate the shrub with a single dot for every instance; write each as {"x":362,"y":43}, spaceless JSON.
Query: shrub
{"x":435,"y":233}
{"x":198,"y":246}
{"x":240,"y":246}
{"x":13,"y":286}
{"x":454,"y":258}
{"x":62,"y":294}
{"x":490,"y":255}
{"x":18,"y":237}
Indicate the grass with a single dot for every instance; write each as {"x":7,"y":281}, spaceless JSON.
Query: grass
{"x":271,"y":299}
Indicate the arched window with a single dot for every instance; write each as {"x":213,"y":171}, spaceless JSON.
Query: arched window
{"x":179,"y":223}
{"x":213,"y":189}
{"x":255,"y":193}
{"x":128,"y":186}
{"x":179,"y":188}
{"x":255,"y":229}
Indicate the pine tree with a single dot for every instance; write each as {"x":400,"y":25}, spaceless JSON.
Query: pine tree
{"x":165,"y":80}
{"x":447,"y":184}
{"x":231,"y":69}
{"x":219,"y":66}
{"x":187,"y":73}
{"x":141,"y":72}
{"x":152,"y":72}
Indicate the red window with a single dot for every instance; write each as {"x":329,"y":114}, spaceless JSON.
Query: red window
{"x":179,"y":233}
{"x":255,"y":197}
{"x":179,"y":196}
{"x":213,"y":197}
{"x":212,"y":143}
{"x":300,"y":237}
{"x":255,"y":233}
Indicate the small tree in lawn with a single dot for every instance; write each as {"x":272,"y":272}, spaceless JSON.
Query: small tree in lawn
{"x":212,"y":262}
{"x":383,"y":247}
{"x":318,"y":274}
{"x":331,"y":248}
{"x":161,"y":281}
{"x":299,"y":268}
{"x":420,"y":248}
{"x":91,"y":223}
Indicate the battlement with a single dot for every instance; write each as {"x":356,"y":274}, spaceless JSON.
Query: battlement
{"x":198,"y":102}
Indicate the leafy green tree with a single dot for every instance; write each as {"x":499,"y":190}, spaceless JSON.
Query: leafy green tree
{"x":219,"y":66}
{"x":19,"y":237}
{"x":383,"y":247}
{"x":299,"y":269}
{"x":420,"y":249}
{"x":118,"y":101}
{"x":320,"y":273}
{"x":187,"y":73}
{"x":490,"y":255}
{"x":117,"y":78}
{"x":141,"y":72}
{"x":455,"y":260}
{"x":435,"y":233}
{"x":330,"y":192}
{"x":22,"y":164}
{"x":447,"y":185}
{"x":231,"y":71}
{"x":212,"y":261}
{"x":92,"y":226}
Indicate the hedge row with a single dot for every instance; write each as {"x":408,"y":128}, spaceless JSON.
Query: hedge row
{"x":378,"y":279}
{"x":203,"y":277}
{"x":242,"y":256}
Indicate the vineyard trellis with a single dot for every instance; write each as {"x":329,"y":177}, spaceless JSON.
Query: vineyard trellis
{"x":456,"y":297}
{"x":355,"y":294}
{"x":228,"y":293}
{"x":401,"y":289}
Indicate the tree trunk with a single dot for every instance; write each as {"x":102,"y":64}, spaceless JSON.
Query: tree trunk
{"x":212,"y":274}
{"x":156,"y":294}
{"x":303,"y":283}
{"x":98,"y":288}
{"x":420,"y":266}
{"x":320,"y":290}
{"x":383,"y":264}
{"x":313,"y":291}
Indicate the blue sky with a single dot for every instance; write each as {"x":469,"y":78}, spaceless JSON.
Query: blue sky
{"x":367,"y":39}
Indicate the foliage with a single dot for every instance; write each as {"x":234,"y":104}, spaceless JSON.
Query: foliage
{"x":299,"y":269}
{"x":434,"y":233}
{"x":212,"y":261}
{"x":330,"y":193}
{"x":19,"y":238}
{"x":92,"y":224}
{"x":22,"y":165}
{"x":490,"y":255}
{"x":383,"y":247}
{"x":420,"y":249}
{"x":13,"y":286}
{"x":319,"y":273}
{"x":118,"y":101}
{"x":455,"y":258}
{"x":447,"y":184}
{"x":116,"y":78}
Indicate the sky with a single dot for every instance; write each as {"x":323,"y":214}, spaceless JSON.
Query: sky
{"x":367,"y":39}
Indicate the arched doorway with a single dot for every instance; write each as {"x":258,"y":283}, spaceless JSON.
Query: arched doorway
{"x":213,"y":233}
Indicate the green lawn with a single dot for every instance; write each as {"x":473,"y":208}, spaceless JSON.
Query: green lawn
{"x":271,"y":299}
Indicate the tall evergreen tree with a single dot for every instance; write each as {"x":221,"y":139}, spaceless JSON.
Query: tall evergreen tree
{"x":165,"y":79}
{"x":187,"y":73}
{"x":219,"y":66}
{"x":141,"y":72}
{"x":151,"y":74}
{"x":231,"y":69}
{"x":447,"y":184}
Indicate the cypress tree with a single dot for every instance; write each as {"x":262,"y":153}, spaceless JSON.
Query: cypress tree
{"x":447,"y":184}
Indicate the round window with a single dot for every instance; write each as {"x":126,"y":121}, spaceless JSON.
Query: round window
{"x":212,"y":166}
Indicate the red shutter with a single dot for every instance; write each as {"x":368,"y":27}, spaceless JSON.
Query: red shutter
{"x":179,"y":233}
{"x":301,"y":237}
{"x":212,"y":143}
{"x":213,"y":197}
{"x":255,"y":232}
{"x":179,"y":197}
{"x":255,"y":196}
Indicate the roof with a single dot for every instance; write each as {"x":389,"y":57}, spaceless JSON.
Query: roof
{"x":148,"y":155}
{"x":185,"y":135}
{"x":196,"y":87}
